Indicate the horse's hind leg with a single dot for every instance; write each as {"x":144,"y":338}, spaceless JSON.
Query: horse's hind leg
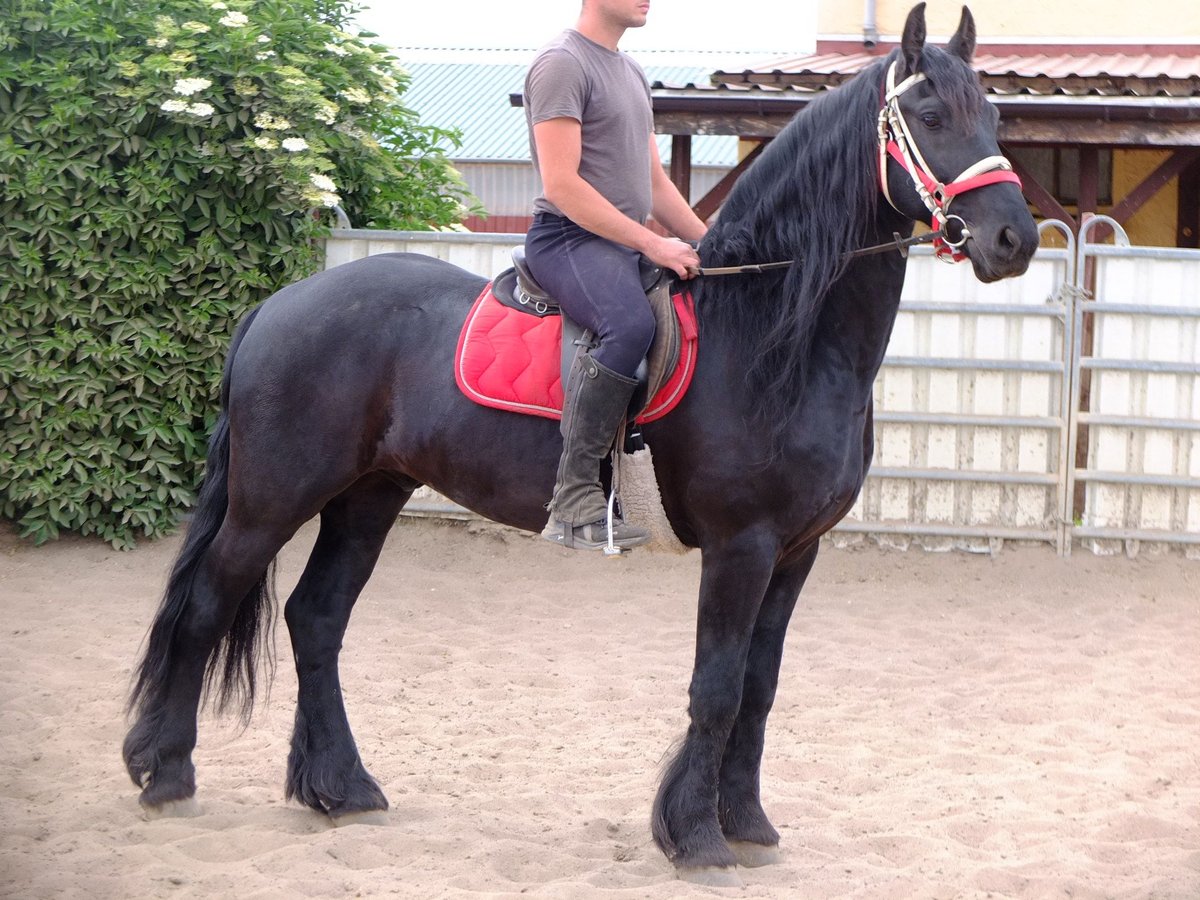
{"x":324,"y":768}
{"x":216,"y":591}
{"x":739,"y":808}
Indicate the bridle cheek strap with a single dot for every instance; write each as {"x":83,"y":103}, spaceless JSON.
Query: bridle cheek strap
{"x":896,"y":141}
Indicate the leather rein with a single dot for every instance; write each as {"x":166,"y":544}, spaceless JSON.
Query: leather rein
{"x":896,"y":141}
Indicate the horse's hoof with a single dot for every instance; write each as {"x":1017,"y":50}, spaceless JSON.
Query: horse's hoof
{"x":187,"y":808}
{"x":365,"y":817}
{"x":711,"y":876}
{"x":753,"y":855}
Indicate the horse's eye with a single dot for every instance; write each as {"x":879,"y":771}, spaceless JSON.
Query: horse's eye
{"x":931,"y":120}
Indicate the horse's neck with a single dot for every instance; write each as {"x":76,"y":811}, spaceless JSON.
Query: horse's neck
{"x":854,"y":328}
{"x":856,"y":319}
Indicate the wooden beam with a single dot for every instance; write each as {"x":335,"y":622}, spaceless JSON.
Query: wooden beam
{"x":1188,"y":218}
{"x":1014,"y":129}
{"x":681,"y":163}
{"x":1089,"y":181}
{"x":1171,"y":168}
{"x":1076,"y":132}
{"x":1154,"y":182}
{"x":711,"y":202}
{"x":747,"y":126}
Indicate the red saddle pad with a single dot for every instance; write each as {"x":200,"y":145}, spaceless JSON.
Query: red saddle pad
{"x":508,"y":359}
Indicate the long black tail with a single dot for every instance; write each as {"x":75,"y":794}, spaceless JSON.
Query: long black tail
{"x":230,"y":672}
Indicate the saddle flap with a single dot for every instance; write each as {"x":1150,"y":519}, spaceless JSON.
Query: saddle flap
{"x":664,"y":349}
{"x":508,"y":359}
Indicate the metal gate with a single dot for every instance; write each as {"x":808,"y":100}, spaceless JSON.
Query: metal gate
{"x":1140,"y":426}
{"x":980,"y":403}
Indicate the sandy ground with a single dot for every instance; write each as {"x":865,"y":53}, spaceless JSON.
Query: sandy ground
{"x":947,"y":726}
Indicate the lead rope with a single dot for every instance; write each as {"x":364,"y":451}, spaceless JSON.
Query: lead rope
{"x":897,"y":243}
{"x":611,"y":549}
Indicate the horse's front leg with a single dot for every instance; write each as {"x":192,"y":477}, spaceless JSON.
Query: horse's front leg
{"x":750,"y":834}
{"x":325,"y":771}
{"x":734,"y":578}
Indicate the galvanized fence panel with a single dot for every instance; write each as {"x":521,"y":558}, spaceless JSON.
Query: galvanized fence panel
{"x":970,"y":410}
{"x":1142,"y":430}
{"x":483,"y":254}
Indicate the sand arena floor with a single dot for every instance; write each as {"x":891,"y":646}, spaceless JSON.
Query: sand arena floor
{"x":947,"y":726}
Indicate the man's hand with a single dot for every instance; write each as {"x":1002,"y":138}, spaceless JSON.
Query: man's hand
{"x":674,"y":254}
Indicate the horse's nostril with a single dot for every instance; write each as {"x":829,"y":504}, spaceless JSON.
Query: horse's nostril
{"x":1009,"y":241}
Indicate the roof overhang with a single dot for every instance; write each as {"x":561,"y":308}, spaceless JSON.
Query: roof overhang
{"x":762,"y":112}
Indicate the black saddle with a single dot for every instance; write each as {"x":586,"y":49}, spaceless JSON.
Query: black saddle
{"x":518,"y":289}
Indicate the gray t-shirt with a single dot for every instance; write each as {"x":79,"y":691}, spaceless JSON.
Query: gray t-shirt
{"x":608,"y":94}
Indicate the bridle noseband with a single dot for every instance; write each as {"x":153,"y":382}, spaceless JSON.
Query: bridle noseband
{"x":896,"y":141}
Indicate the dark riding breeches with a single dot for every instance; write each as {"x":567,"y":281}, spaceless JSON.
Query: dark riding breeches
{"x":597,"y":283}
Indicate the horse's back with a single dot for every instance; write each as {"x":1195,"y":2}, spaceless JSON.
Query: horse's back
{"x":385,"y":305}
{"x":380,"y":284}
{"x":353,"y":369}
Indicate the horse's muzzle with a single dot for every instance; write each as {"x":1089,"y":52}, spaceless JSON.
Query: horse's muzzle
{"x":1003,"y":251}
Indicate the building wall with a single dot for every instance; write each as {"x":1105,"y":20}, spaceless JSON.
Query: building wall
{"x":1111,"y":21}
{"x":1154,"y":224}
{"x":507,"y":189}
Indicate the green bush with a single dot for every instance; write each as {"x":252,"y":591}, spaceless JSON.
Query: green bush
{"x":164,"y":166}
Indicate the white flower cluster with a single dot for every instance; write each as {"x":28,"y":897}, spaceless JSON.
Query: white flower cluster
{"x":322,"y":182}
{"x":355,"y":95}
{"x":199,"y":110}
{"x":325,"y":111}
{"x":185,"y":87}
{"x":269,"y":122}
{"x":325,"y":193}
{"x":296,"y":156}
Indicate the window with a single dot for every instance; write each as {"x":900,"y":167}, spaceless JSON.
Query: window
{"x":1057,"y":170}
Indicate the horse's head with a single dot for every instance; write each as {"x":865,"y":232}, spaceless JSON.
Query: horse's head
{"x":939,"y":159}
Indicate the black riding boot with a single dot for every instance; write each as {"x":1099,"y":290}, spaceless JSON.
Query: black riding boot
{"x":596,"y":399}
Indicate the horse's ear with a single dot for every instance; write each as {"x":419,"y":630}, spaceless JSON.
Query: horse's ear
{"x":912,"y":43}
{"x":962,"y":44}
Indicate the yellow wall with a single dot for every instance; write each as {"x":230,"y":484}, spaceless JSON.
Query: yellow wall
{"x":1116,"y":21}
{"x":1154,"y":223}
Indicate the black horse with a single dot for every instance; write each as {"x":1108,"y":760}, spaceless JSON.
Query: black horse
{"x":339,"y":400}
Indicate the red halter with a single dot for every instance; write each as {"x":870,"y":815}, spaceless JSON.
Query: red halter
{"x":896,"y":140}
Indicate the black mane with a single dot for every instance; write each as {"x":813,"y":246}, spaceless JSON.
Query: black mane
{"x":812,"y":196}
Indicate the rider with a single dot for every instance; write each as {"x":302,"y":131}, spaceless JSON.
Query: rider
{"x":591,"y":134}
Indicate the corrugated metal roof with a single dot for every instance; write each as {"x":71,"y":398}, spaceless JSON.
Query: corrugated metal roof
{"x":474,"y":98}
{"x":1081,"y":73}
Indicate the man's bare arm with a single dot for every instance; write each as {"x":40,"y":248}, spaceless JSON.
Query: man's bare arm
{"x":559,"y":145}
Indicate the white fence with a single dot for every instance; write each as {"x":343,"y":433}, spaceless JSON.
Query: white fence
{"x":976,"y":404}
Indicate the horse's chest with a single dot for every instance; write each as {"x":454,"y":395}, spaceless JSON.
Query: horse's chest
{"x":825,"y":478}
